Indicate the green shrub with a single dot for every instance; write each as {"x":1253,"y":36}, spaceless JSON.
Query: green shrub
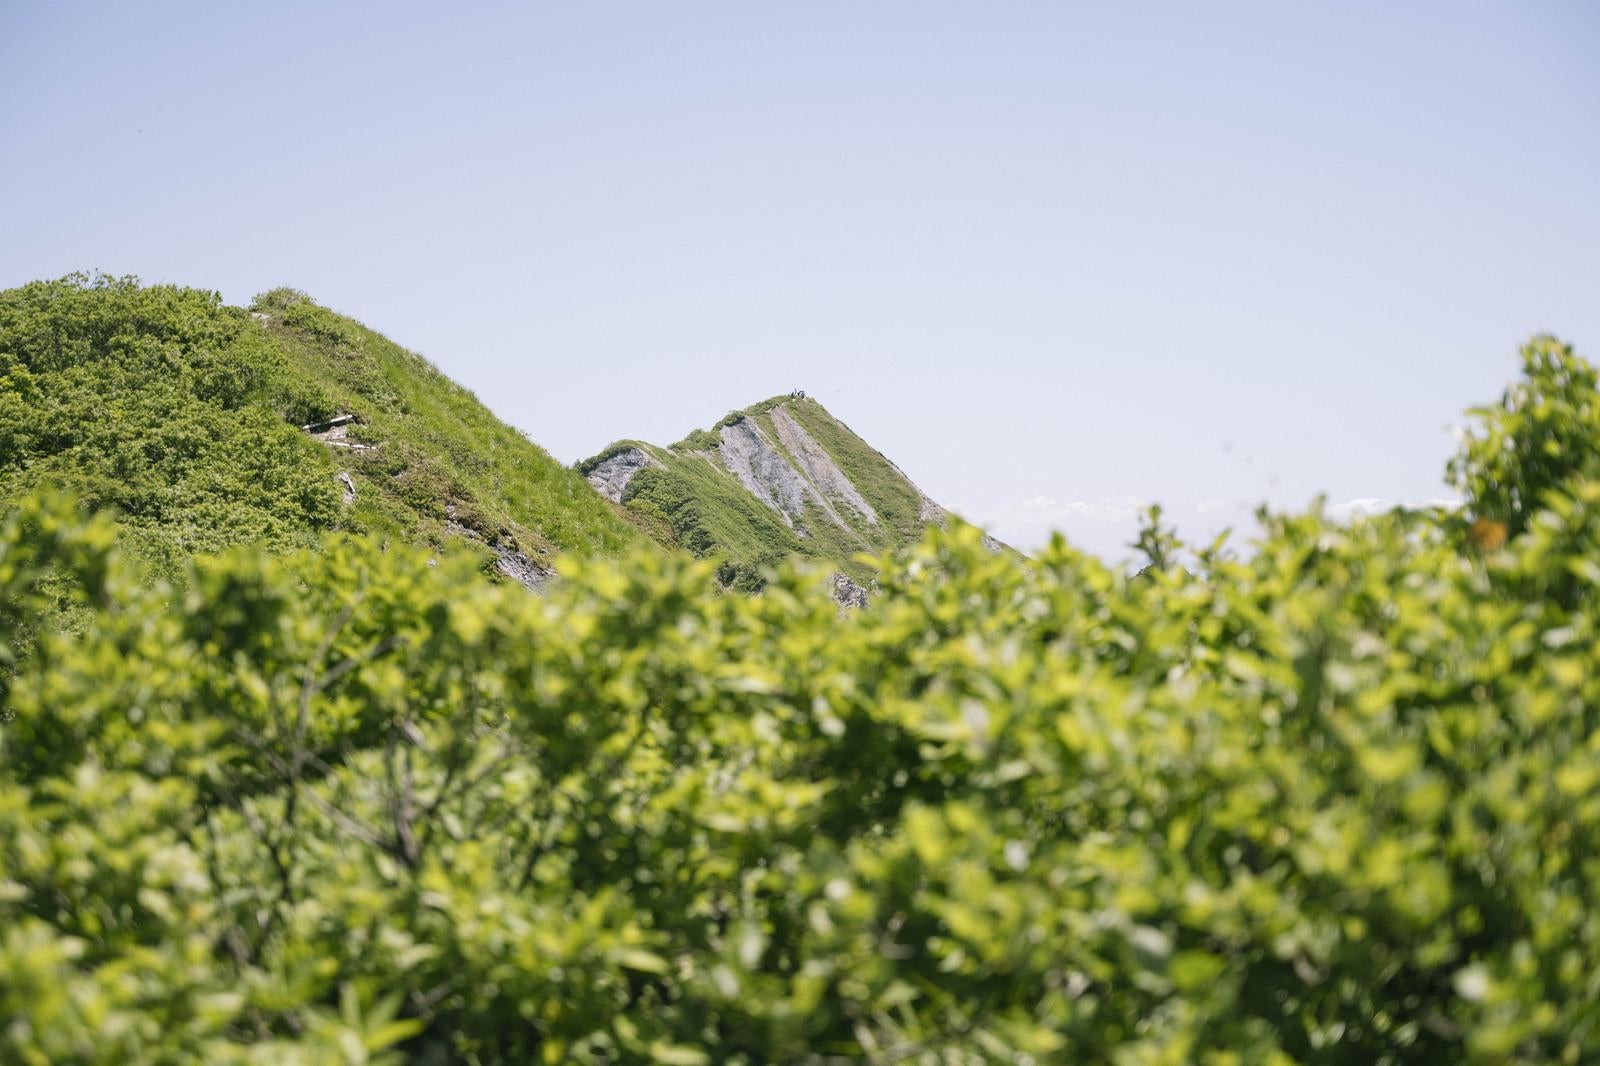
{"x":699,"y":440}
{"x":1336,"y":801}
{"x":164,"y":405}
{"x":1541,"y":433}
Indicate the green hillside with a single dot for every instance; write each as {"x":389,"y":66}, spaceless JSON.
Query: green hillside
{"x":777,"y":479}
{"x":185,"y":415}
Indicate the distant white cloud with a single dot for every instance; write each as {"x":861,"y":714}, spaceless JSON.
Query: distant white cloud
{"x":1053,"y":514}
{"x":1371,"y":505}
{"x":1108,"y":527}
{"x":1045,"y":509}
{"x":1102,"y":526}
{"x":1359,"y":507}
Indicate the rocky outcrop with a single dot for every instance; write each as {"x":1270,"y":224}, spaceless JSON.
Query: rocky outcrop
{"x":818,"y":466}
{"x":334,"y":428}
{"x":521,"y":569}
{"x":335,"y":433}
{"x":610,"y":476}
{"x":847,"y":593}
{"x":514,"y":564}
{"x":761,"y":468}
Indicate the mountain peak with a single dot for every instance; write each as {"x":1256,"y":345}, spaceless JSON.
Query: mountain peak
{"x":779,"y":477}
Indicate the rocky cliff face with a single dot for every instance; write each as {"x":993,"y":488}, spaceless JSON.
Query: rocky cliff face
{"x":818,"y":467}
{"x":783,"y":477}
{"x":610,"y":476}
{"x":765,"y":473}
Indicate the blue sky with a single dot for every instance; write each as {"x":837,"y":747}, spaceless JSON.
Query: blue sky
{"x":1055,"y":260}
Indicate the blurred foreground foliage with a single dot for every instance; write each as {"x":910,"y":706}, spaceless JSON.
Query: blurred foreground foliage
{"x":1336,"y":800}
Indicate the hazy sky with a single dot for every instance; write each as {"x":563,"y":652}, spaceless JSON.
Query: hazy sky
{"x":1052,"y":259}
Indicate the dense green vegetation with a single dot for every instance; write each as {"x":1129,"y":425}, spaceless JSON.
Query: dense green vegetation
{"x":693,"y":501}
{"x":184,"y":416}
{"x":160,"y":402}
{"x":1332,"y":800}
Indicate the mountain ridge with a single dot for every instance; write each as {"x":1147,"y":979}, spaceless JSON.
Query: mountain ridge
{"x":780,"y":477}
{"x":203,"y":426}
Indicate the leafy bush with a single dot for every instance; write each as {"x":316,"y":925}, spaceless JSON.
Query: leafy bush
{"x":699,"y":440}
{"x":163,"y":404}
{"x":1535,"y":439}
{"x":1336,"y":801}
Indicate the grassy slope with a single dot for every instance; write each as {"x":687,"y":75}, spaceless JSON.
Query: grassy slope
{"x":183,"y":414}
{"x":709,"y":512}
{"x":441,"y":454}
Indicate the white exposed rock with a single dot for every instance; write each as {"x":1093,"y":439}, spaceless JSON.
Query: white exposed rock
{"x":818,"y":466}
{"x":335,"y":433}
{"x":847,"y":593}
{"x":335,"y":428}
{"x":610,"y":476}
{"x":749,"y":456}
{"x":349,"y":486}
